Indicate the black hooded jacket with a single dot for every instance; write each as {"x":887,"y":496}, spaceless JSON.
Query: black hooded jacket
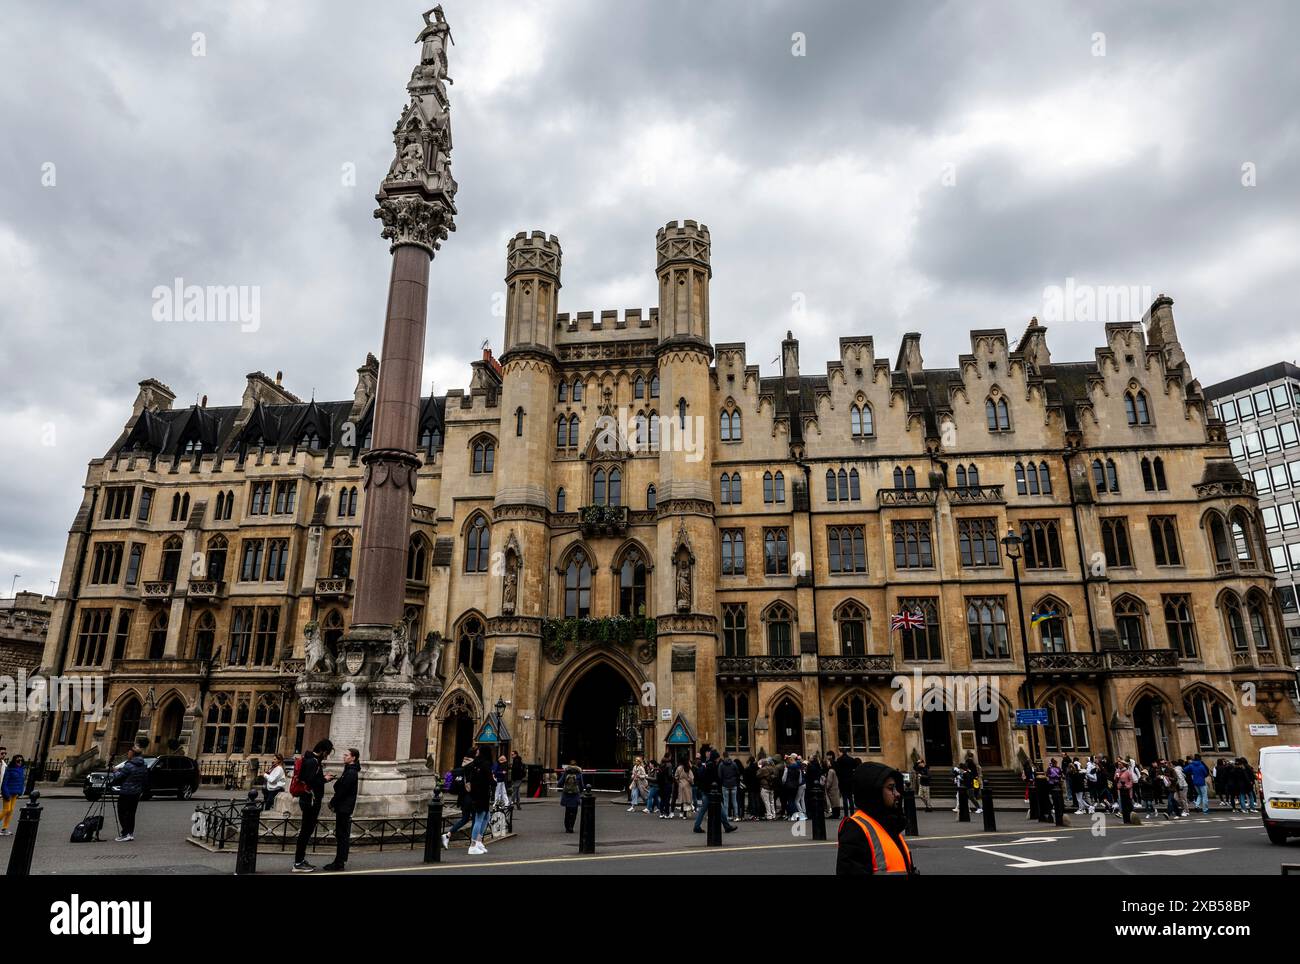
{"x":854,"y":856}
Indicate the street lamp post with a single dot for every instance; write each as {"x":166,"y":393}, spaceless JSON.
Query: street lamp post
{"x":1012,"y":543}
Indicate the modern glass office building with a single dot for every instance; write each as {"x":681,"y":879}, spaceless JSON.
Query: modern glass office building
{"x":1261,"y":411}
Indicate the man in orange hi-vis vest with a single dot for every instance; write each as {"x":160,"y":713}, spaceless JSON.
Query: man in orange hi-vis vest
{"x":871,"y":838}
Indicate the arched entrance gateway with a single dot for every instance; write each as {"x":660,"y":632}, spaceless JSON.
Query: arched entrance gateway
{"x":600,"y":724}
{"x":1150,"y":729}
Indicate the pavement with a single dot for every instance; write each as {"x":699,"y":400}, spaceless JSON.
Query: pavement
{"x":1217,"y":844}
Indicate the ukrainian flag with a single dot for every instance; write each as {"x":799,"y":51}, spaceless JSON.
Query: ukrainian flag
{"x":1042,"y":618}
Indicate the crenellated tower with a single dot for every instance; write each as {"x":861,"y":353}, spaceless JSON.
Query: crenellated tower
{"x":517,"y":588}
{"x":686,"y":574}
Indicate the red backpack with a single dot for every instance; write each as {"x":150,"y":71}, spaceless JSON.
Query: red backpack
{"x":296,"y":787}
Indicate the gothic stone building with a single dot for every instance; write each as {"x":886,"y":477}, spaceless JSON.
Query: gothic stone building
{"x":721,"y":568}
{"x":24,"y":621}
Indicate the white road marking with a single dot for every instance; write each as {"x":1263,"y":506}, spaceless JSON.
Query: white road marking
{"x":1167,"y":840}
{"x":1029,"y":863}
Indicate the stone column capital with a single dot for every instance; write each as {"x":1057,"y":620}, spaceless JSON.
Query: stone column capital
{"x":415,"y":220}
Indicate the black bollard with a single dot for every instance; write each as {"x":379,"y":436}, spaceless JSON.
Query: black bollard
{"x":1058,"y":804}
{"x":817,"y":810}
{"x":29,"y":821}
{"x":909,"y":812}
{"x":433,"y":831}
{"x":713,"y":817}
{"x":1044,"y":800}
{"x":986,"y":798}
{"x":250,"y":828}
{"x":963,"y":805}
{"x":587,"y":823}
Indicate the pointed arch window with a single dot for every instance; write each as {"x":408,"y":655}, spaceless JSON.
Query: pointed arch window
{"x":563,"y":395}
{"x":1211,"y":722}
{"x":417,"y":560}
{"x":654,"y":430}
{"x":1180,"y":626}
{"x":519,"y":421}
{"x":855,"y":487}
{"x":654,"y":385}
{"x":218,"y":547}
{"x":852,"y":620}
{"x":1236,"y":624}
{"x":484,"y":456}
{"x":577,"y":586}
{"x":638,"y":387}
{"x":216,"y":729}
{"x":1067,"y":724}
{"x":858,"y":725}
{"x":780,"y":630}
{"x":729,"y":425}
{"x":577,"y":389}
{"x":651,"y":497}
{"x":1049,"y":619}
{"x":1256,"y":609}
{"x":478,"y":540}
{"x":681,"y":413}
{"x":205,"y":635}
{"x":831,"y":489}
{"x":997,"y":414}
{"x":171,"y":560}
{"x":561,"y":432}
{"x":1131,"y":624}
{"x":632,"y":584}
{"x":341,"y":556}
{"x":470,"y":644}
{"x":158,"y":635}
{"x":734,"y":630}
{"x":861,"y":422}
{"x":573,"y":431}
{"x":559,"y":499}
{"x":1136,"y":407}
{"x":736,"y":722}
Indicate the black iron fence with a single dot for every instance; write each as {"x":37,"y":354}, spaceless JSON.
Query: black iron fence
{"x":217,"y":825}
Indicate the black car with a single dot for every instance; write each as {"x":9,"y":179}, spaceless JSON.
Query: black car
{"x":177,"y":775}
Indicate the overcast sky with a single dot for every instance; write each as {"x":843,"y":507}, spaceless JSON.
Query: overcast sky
{"x":894,"y":167}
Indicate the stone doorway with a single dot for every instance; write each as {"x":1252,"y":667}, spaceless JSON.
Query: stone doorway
{"x":787,"y":728}
{"x":1150,"y":730}
{"x":599,"y":726}
{"x":936,"y":731}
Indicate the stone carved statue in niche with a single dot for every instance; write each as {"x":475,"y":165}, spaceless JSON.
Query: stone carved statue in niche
{"x":683,"y":582}
{"x":510,"y":584}
{"x":409,"y":163}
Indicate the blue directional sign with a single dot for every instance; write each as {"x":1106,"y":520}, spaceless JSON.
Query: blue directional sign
{"x":1031,"y":717}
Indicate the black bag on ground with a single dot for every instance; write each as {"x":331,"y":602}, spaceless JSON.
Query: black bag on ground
{"x":88,"y":829}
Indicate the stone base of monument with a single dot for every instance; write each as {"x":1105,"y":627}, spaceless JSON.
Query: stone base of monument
{"x":394,"y":789}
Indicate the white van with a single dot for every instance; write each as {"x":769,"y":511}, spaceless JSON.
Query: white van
{"x":1279,"y":768}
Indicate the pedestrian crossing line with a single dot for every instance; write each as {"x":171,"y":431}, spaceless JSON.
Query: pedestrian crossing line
{"x":524,"y":862}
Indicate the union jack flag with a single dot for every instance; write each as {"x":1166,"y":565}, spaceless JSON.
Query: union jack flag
{"x":912,"y":620}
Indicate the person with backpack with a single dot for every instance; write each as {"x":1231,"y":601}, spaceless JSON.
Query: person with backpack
{"x":342,"y":804}
{"x":308,"y":787}
{"x":13,"y":783}
{"x":571,"y":787}
{"x":455,"y":785}
{"x":130,"y":782}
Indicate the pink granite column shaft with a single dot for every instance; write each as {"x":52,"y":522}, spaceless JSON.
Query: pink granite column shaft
{"x":391,"y":463}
